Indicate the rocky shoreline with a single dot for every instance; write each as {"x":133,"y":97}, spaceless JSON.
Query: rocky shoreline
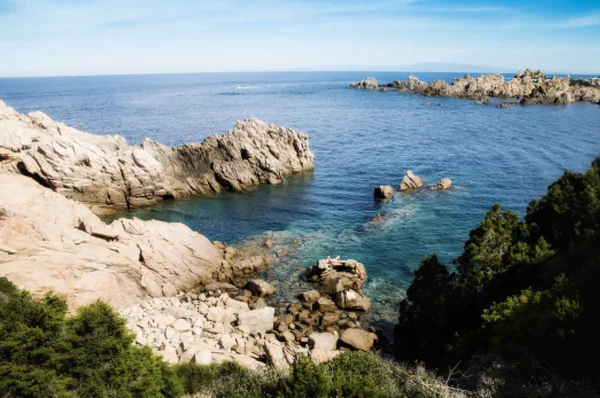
{"x":107,"y":174}
{"x":222,"y":322}
{"x":530,"y":88}
{"x":176,"y":289}
{"x":55,"y":181}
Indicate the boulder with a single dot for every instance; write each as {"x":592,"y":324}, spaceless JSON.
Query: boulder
{"x":411,"y":181}
{"x":336,"y":277}
{"x":330,"y":319}
{"x":257,"y":320}
{"x":322,"y":341}
{"x":260,"y":288}
{"x":359,"y":339}
{"x":321,"y":356}
{"x":202,"y":357}
{"x":326,"y":305}
{"x":349,"y":299}
{"x":220,"y":287}
{"x":310,"y":295}
{"x":383,"y":192}
{"x":444,"y":183}
{"x":275,"y":356}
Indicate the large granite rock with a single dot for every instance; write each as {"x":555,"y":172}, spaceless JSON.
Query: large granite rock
{"x":106,"y":173}
{"x":260,"y":288}
{"x":335,"y":277}
{"x":370,"y":83}
{"x":411,"y":181}
{"x":359,"y":339}
{"x":258,"y":320}
{"x":54,"y":244}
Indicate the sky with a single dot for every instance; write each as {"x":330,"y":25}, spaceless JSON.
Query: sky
{"x":99,"y":37}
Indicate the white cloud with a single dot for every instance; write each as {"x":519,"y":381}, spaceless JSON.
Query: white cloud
{"x":582,"y":22}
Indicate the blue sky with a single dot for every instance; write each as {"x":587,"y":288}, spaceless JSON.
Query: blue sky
{"x":90,"y":37}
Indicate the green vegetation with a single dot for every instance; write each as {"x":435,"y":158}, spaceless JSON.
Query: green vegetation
{"x":352,"y":374}
{"x":523,"y":290}
{"x":43,"y":352}
{"x":46,"y":352}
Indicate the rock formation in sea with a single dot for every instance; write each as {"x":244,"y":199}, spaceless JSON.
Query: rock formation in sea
{"x":411,"y":181}
{"x":370,"y":83}
{"x":383,"y":192}
{"x":529,"y":87}
{"x":106,"y":173}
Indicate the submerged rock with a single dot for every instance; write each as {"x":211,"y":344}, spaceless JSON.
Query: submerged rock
{"x":506,"y":104}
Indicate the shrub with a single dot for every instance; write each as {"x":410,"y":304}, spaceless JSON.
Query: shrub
{"x":45,"y":353}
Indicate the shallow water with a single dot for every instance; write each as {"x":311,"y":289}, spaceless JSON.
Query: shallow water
{"x":360,"y":140}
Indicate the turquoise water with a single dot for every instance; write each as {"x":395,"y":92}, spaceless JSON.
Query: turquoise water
{"x":360,"y":140}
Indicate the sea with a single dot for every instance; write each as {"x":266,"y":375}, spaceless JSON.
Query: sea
{"x":360,"y":139}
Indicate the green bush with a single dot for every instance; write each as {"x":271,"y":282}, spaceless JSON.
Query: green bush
{"x":43,"y":352}
{"x":523,"y":290}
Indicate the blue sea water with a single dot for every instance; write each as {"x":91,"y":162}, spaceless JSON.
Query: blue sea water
{"x":360,"y":140}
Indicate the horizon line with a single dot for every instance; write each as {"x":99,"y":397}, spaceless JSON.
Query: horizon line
{"x":284,"y":71}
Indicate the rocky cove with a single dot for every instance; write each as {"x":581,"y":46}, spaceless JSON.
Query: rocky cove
{"x":530,"y":88}
{"x":172,"y":284}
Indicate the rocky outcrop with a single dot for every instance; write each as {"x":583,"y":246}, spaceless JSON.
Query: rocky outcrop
{"x":51,"y":243}
{"x":411,"y":181}
{"x":383,"y":192}
{"x":106,"y":173}
{"x":370,"y":83}
{"x":412,"y":84}
{"x":529,"y":87}
{"x":444,"y":183}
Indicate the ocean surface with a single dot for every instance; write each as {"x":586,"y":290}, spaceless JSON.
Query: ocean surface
{"x":360,"y":140}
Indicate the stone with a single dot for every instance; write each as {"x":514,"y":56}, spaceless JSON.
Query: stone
{"x":257,"y":320}
{"x":311,"y":295}
{"x":506,"y":104}
{"x":322,"y":341}
{"x":288,"y":337}
{"x":321,"y":356}
{"x":383,"y":192}
{"x":169,"y":354}
{"x":330,"y":319}
{"x":220,"y":286}
{"x":260,"y":288}
{"x":411,"y":181}
{"x":268,"y":243}
{"x":275,"y":357}
{"x":202,"y":357}
{"x":170,"y":333}
{"x":182,"y":325}
{"x":445,"y":183}
{"x":282,"y":252}
{"x":349,"y":299}
{"x":359,"y":339}
{"x":260,"y":303}
{"x":326,"y":305}
{"x":336,"y":277}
